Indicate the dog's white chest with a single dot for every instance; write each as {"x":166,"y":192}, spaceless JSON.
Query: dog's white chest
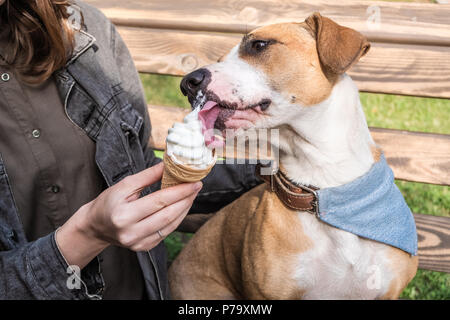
{"x":340,"y":265}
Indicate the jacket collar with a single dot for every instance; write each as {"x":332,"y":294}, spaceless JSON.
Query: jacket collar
{"x":82,"y":42}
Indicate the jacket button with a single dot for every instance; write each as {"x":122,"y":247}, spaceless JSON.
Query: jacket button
{"x":5,"y":77}
{"x":36,"y":133}
{"x":56,"y":189}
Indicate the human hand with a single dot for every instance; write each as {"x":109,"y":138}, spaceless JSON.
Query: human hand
{"x":119,"y":217}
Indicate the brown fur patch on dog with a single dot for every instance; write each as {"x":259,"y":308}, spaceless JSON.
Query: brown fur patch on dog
{"x":303,"y":60}
{"x":339,"y":47}
{"x":404,"y":267}
{"x":291,"y":62}
{"x":376,"y":152}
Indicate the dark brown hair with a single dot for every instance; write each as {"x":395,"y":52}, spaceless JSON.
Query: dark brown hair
{"x":39,"y":38}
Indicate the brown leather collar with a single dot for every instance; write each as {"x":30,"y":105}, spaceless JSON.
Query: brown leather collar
{"x":294,"y":196}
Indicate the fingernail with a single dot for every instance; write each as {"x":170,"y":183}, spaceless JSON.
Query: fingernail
{"x":198,"y":186}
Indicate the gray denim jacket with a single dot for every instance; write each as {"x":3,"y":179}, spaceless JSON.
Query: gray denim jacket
{"x":103,"y":95}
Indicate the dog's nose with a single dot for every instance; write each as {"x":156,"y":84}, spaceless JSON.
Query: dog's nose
{"x":194,"y":82}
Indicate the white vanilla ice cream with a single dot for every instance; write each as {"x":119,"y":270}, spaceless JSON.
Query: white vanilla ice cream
{"x":186,"y":143}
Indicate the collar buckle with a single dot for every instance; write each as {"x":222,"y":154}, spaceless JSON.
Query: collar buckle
{"x":272,"y":183}
{"x":315,"y":202}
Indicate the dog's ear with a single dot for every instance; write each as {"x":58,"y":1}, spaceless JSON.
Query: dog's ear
{"x":338,"y":47}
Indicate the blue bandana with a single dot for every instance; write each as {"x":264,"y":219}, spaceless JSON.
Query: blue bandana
{"x":371,"y":207}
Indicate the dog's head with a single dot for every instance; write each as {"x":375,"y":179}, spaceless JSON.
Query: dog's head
{"x":273,"y":74}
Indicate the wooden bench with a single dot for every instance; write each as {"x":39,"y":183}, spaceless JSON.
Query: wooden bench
{"x":410,"y":55}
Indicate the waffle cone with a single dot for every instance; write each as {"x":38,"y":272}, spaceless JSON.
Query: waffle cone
{"x":175,"y":173}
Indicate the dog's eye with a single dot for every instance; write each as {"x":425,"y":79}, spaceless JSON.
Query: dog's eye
{"x":259,"y":45}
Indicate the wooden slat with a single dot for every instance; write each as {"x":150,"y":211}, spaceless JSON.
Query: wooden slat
{"x":175,"y":52}
{"x":387,"y":68}
{"x":434,"y":242}
{"x":413,"y":156}
{"x":162,"y":119}
{"x":398,"y":22}
{"x":404,"y":69}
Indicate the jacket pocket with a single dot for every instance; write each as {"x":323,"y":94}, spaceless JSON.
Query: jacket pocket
{"x":131,"y":120}
{"x":131,"y":124}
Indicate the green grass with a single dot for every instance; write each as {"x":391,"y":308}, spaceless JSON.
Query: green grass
{"x":164,"y":90}
{"x":388,"y":111}
{"x":428,"y":285}
{"x":175,"y":243}
{"x":407,"y":113}
{"x":426,"y":198}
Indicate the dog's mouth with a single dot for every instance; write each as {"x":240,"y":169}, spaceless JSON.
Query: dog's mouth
{"x":215,"y":114}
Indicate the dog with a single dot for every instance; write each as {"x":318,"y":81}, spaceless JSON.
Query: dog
{"x":291,"y":77}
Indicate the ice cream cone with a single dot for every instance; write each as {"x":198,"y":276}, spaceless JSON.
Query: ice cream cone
{"x":175,"y":173}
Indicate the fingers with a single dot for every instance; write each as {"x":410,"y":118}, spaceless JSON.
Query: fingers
{"x":166,"y":231}
{"x":135,"y":183}
{"x":156,"y":201}
{"x":163,"y":217}
{"x":154,"y":239}
{"x":165,"y":222}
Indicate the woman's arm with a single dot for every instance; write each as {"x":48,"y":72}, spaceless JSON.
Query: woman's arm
{"x":119,"y":216}
{"x":36,"y":270}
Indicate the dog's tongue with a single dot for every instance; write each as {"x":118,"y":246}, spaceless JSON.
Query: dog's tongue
{"x":208,"y":116}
